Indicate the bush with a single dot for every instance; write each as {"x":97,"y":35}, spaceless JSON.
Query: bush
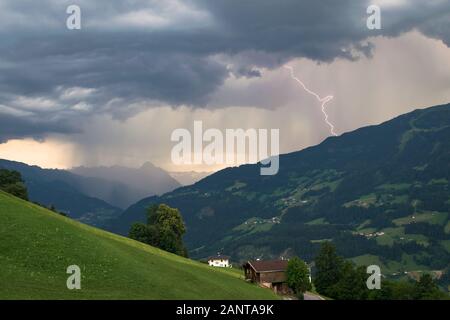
{"x":297,"y":275}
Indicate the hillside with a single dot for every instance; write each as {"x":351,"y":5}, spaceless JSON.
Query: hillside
{"x":189,"y":177}
{"x":381,"y":193}
{"x":92,"y":195}
{"x":65,"y":191}
{"x":36,"y":247}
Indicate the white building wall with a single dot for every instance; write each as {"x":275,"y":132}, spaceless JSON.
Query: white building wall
{"x":219,"y":263}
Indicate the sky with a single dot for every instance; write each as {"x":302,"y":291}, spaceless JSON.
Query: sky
{"x":112,"y":92}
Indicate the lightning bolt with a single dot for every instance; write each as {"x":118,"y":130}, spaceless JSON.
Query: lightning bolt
{"x":323,"y":101}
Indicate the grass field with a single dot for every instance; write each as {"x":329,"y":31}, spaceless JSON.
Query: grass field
{"x":389,"y":268}
{"x":432,"y":217}
{"x":37,"y":246}
{"x":367,"y":260}
{"x":390,"y":235}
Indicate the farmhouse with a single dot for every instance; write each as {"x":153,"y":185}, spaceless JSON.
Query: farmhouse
{"x":219,"y":261}
{"x":269,"y":273}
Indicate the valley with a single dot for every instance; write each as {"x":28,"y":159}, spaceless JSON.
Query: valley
{"x":381,"y":193}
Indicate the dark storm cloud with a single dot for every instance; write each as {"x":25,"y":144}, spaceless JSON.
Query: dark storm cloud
{"x":432,"y":18}
{"x":314,"y":29}
{"x":129,"y":67}
{"x":171,"y":52}
{"x":12,"y":127}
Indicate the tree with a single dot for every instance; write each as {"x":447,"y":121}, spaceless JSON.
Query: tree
{"x":329,"y":266}
{"x":427,"y":289}
{"x":141,"y":232}
{"x":424,"y":289}
{"x":167,"y":219}
{"x":393,"y":290}
{"x":11,"y":182}
{"x":297,"y":275}
{"x":164,"y":229}
{"x":340,"y":279}
{"x":351,"y":284}
{"x":169,"y":226}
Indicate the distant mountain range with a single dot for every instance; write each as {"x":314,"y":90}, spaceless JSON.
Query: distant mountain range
{"x":127,"y":185}
{"x":92,"y":195}
{"x":381,"y":193}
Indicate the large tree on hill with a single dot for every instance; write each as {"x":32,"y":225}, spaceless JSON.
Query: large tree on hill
{"x":297,"y":274}
{"x":165,"y":229}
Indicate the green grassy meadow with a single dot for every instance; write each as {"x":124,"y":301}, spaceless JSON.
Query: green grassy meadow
{"x":37,"y":246}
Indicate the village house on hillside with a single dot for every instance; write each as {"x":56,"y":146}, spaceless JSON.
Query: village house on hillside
{"x":219,"y":261}
{"x":270,"y":274}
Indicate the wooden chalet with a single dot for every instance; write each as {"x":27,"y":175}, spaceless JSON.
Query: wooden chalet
{"x":268,"y":273}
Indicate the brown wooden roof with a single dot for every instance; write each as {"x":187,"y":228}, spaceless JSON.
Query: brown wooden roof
{"x":268,"y":265}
